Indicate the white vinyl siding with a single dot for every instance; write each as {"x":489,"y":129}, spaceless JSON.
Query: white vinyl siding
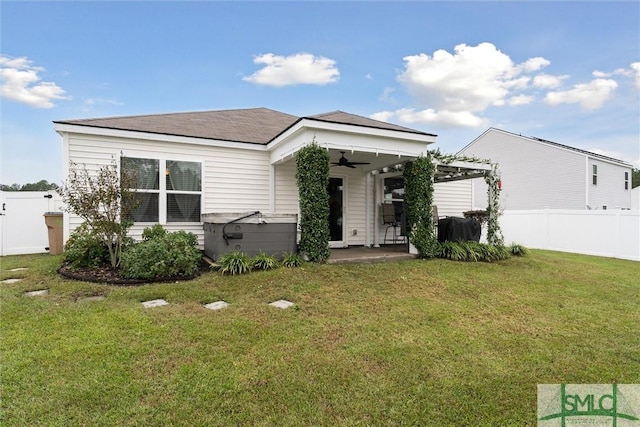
{"x":534,"y":175}
{"x":234,"y":180}
{"x":610,"y":190}
{"x":453,"y":198}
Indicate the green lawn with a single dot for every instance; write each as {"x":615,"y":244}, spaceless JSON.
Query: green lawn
{"x":404,"y":343}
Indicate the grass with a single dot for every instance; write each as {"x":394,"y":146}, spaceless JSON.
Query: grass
{"x":405,"y":343}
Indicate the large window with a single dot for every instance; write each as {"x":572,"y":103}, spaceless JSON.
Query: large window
{"x":176,"y":198}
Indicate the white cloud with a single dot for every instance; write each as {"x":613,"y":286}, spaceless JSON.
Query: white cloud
{"x":301,"y":68}
{"x":636,"y":69}
{"x":431,"y":116}
{"x":590,"y":95}
{"x":534,"y":64}
{"x":21,"y":82}
{"x":471,"y":79}
{"x":547,"y":81}
{"x":520,"y":100}
{"x":454,"y":88}
{"x":387,"y":95}
{"x":383,"y":116}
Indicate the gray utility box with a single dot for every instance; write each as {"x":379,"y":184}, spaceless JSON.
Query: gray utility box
{"x":249,"y":233}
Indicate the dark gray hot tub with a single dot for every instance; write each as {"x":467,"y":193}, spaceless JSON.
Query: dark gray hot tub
{"x":249,"y":233}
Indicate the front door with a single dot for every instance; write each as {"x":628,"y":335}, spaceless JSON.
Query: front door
{"x":337,"y":224}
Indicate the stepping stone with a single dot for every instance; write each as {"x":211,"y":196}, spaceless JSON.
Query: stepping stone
{"x":9,"y":281}
{"x":218,"y":305}
{"x":282,"y":303}
{"x":154,"y":303}
{"x":19,"y":269}
{"x":92,"y":298}
{"x":37,"y":293}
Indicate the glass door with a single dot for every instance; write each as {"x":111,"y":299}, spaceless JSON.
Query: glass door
{"x":336,"y":212}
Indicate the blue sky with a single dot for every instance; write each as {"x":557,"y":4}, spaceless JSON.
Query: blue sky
{"x":563,"y":71}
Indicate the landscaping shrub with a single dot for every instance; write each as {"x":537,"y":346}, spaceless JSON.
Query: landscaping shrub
{"x":163,"y":255}
{"x":472,"y":252}
{"x":312,"y":176}
{"x":264,"y":261}
{"x":234,"y":263}
{"x":418,"y":196}
{"x":518,"y":250}
{"x":292,"y":259}
{"x":153,"y":232}
{"x":85,"y":249}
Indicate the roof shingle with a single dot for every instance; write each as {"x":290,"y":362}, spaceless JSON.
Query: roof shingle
{"x":253,"y":125}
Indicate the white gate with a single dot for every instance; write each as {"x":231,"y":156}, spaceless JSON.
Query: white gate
{"x":22,"y":226}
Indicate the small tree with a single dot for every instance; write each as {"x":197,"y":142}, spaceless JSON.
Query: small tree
{"x":104,"y":201}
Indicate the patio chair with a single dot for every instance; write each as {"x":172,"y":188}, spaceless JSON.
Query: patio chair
{"x":390,"y":219}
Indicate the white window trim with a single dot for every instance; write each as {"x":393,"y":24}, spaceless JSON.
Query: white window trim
{"x":162,"y":189}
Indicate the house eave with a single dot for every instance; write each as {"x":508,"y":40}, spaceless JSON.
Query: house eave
{"x":66,"y":128}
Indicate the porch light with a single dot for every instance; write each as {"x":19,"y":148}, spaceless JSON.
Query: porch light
{"x":374,"y":172}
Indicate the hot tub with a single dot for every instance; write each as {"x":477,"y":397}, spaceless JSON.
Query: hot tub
{"x":250,"y":233}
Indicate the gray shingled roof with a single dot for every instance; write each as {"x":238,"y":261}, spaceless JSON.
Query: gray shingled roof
{"x":253,"y":125}
{"x":352,"y":119}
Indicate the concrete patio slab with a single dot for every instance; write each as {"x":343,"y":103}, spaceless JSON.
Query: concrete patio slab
{"x":10,"y":281}
{"x":154,"y":303}
{"x":282,"y":303}
{"x":218,"y":305}
{"x":37,"y":293}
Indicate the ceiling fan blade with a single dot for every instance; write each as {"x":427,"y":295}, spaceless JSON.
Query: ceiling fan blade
{"x":350,"y":165}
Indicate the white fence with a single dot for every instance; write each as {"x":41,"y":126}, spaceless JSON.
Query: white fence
{"x":609,"y":233}
{"x":22,"y":226}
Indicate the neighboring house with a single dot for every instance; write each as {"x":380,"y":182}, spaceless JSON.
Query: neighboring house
{"x":244,"y":160}
{"x":539,"y":174}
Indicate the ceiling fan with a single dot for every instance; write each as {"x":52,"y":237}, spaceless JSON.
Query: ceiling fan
{"x":344,"y":162}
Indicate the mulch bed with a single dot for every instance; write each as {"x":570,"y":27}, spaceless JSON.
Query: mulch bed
{"x":109,"y":275}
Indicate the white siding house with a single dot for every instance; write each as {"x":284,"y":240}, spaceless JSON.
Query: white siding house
{"x":539,"y":174}
{"x":230,"y":161}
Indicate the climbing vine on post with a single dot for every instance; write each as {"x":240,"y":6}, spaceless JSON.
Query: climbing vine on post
{"x":312,"y":175}
{"x":494,"y":234}
{"x":418,"y":186}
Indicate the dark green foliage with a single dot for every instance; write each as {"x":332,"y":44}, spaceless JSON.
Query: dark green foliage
{"x":635,"y":178}
{"x":472,"y":252}
{"x":42,"y":185}
{"x":84,"y":249}
{"x":418,"y":185}
{"x":162,"y":255}
{"x":494,"y":233}
{"x":312,"y":175}
{"x":153,"y":232}
{"x":264,"y":261}
{"x":234,"y":263}
{"x":518,"y":250}
{"x":292,"y":259}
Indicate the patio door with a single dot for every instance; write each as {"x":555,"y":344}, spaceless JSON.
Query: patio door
{"x":337,"y":212}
